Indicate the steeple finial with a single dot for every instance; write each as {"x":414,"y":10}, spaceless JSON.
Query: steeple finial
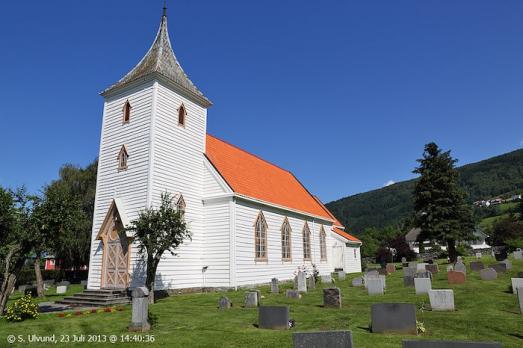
{"x":165,"y":8}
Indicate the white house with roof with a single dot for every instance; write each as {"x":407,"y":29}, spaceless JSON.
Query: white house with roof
{"x":250,"y":219}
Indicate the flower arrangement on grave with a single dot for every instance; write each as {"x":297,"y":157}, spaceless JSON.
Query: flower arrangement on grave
{"x":21,"y":309}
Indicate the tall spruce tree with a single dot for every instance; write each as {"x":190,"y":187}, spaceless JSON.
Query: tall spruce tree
{"x":441,"y":210}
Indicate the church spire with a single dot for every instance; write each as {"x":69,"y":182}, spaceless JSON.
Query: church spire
{"x":160,"y":61}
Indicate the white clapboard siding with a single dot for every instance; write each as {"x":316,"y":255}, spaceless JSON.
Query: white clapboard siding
{"x":352,"y":259}
{"x":177,"y":159}
{"x":248,"y":271}
{"x":129,"y":185}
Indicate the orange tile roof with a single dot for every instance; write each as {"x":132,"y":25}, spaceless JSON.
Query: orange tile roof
{"x":254,"y":177}
{"x":346,"y":235}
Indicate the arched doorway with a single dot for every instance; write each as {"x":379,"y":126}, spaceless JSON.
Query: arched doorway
{"x":116,"y":251}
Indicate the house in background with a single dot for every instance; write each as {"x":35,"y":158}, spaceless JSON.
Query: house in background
{"x":250,"y":219}
{"x":478,"y":243}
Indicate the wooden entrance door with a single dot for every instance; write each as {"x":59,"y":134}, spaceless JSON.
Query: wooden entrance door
{"x":116,"y":261}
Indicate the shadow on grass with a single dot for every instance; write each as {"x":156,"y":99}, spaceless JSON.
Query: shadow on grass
{"x":516,"y":336}
{"x":364,"y":328}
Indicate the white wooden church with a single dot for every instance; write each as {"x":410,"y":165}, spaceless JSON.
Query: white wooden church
{"x":250,"y":219}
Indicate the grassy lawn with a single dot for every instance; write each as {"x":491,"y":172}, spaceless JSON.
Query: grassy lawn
{"x":486,"y":311}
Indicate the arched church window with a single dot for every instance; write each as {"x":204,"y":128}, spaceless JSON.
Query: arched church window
{"x":306,"y":242}
{"x":127,"y":112}
{"x":323,"y":244}
{"x":123,"y":155}
{"x":286,"y":240}
{"x":260,"y":237}
{"x":182,"y":113}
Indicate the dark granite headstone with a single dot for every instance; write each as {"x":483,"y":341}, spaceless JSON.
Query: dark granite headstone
{"x":449,"y":344}
{"x":432,"y":268}
{"x":273,"y":317}
{"x":488,"y":274}
{"x":409,"y":271}
{"x":393,"y":318}
{"x":477,"y":266}
{"x":424,"y":274}
{"x":501,"y":255}
{"x":323,"y":339}
{"x":499,"y":267}
{"x":332,"y":298}
{"x":274,"y":286}
{"x":224,"y":303}
{"x":408,"y":281}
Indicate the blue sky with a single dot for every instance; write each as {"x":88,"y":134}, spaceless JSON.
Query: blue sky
{"x":343,"y":93}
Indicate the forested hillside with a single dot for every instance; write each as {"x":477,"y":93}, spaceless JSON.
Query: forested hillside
{"x":391,"y":205}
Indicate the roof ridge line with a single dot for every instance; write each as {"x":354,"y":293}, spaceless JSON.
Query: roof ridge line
{"x":251,"y":154}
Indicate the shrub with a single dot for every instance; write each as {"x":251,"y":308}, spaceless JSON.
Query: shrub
{"x":21,"y":309}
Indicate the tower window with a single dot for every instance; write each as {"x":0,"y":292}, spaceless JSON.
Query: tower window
{"x":122,"y":158}
{"x":182,"y":113}
{"x":127,"y":112}
{"x":180,"y":206}
{"x":260,"y":238}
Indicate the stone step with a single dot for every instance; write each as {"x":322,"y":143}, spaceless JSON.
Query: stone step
{"x":93,"y":302}
{"x":96,"y":299}
{"x":99,"y":296}
{"x":106,"y":291}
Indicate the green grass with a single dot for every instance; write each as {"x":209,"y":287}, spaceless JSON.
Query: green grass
{"x":50,"y":295}
{"x":486,"y":311}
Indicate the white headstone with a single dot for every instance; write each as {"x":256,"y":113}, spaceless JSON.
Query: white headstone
{"x":460,"y":267}
{"x":341,"y":275}
{"x":367,"y":277}
{"x":478,"y":255}
{"x":520,"y":297}
{"x":516,"y":283}
{"x":251,"y":299}
{"x":375,"y":286}
{"x":518,"y":255}
{"x":274,"y":286}
{"x":302,"y":282}
{"x":450,"y":268}
{"x":441,"y":300}
{"x":413,"y":264}
{"x":140,"y":310}
{"x":421,"y":266}
{"x":326,"y":279}
{"x":61,"y":289}
{"x":422,"y":285}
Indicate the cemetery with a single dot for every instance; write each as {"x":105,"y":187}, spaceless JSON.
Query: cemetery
{"x":475,"y":310}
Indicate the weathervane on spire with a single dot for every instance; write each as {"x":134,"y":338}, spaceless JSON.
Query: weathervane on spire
{"x":165,"y":8}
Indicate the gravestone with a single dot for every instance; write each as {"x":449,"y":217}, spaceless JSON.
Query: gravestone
{"x":421,"y":267}
{"x":449,"y":344}
{"x":478,"y":255}
{"x":61,"y":289}
{"x":413,"y":264}
{"x":383,"y":280}
{"x":391,"y":268}
{"x":500,"y":255}
{"x":499,"y":267}
{"x":518,"y":255}
{"x":302,"y":282}
{"x":441,"y":300}
{"x":326,"y":279}
{"x":293,"y":294}
{"x":422,"y":285}
{"x":332,"y":298}
{"x":455,"y":277}
{"x":424,"y":274}
{"x":450,"y":268}
{"x":488,"y":274}
{"x":323,"y":339}
{"x":507,"y":263}
{"x":274,"y":286}
{"x":311,"y":283}
{"x":224,"y":303}
{"x":476,"y":266}
{"x":408,"y":281}
{"x":383,"y":271}
{"x":520,"y":298}
{"x":49,"y":282}
{"x":251,"y":299}
{"x":140,"y":310}
{"x":432,"y":268}
{"x":64,"y":282}
{"x":459,"y":259}
{"x":341,"y":275}
{"x":372,"y":273}
{"x":460,"y":267}
{"x":409,"y":272}
{"x":273,"y":317}
{"x":357,"y":281}
{"x":516,"y":283}
{"x":22,"y":288}
{"x":368,"y":276}
{"x":393,"y":318}
{"x":375,"y":286}
{"x":404,"y":262}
